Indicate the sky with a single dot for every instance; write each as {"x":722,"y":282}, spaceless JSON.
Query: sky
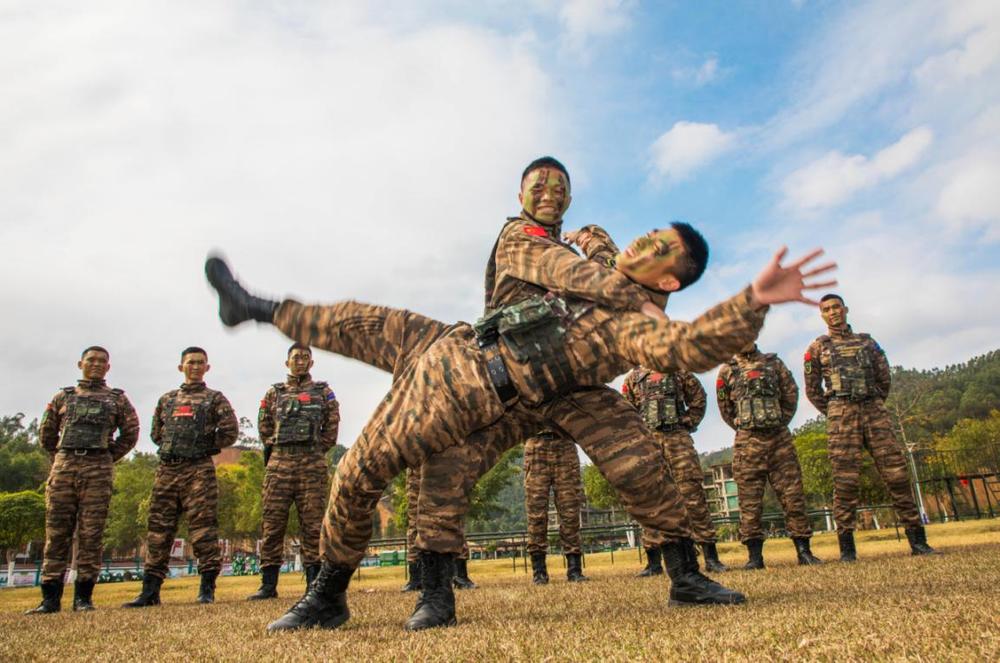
{"x":372,"y":150}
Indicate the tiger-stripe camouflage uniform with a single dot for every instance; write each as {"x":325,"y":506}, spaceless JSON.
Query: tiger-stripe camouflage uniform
{"x":673,"y":405}
{"x":77,"y":429}
{"x":757,"y":397}
{"x":847,"y":379}
{"x":551,"y":465}
{"x":190,"y":425}
{"x":298,"y":422}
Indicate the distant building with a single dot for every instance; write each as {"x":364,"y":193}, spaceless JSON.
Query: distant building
{"x":231,"y":455}
{"x":720,"y":487}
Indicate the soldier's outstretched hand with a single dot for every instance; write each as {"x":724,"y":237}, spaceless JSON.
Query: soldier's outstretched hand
{"x":778,"y":283}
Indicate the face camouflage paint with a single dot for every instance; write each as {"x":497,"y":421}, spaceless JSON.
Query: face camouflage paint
{"x":545,"y":195}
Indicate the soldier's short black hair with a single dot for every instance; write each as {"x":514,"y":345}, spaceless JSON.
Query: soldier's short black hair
{"x":95,"y":348}
{"x":194,"y":349}
{"x":695,"y":254}
{"x":831,"y":295}
{"x":547,"y":162}
{"x":298,"y":346}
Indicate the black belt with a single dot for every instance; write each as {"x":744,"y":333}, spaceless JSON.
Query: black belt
{"x":295,"y":449}
{"x":178,"y":460}
{"x":83,"y":452}
{"x":497,"y":369}
{"x":849,"y":399}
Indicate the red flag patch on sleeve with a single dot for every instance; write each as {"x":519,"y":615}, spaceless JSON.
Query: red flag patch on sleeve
{"x":305,"y":398}
{"x":809,"y":356}
{"x":263,"y":403}
{"x":720,"y":383}
{"x":753,"y":375}
{"x":535,"y":231}
{"x":624,"y":388}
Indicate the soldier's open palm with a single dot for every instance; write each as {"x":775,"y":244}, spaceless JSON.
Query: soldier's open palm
{"x":778,"y":283}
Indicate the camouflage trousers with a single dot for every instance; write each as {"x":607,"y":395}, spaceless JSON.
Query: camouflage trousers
{"x":685,"y":468}
{"x":413,"y":516}
{"x":551,"y":465}
{"x":444,"y":398}
{"x":188,"y":487}
{"x":760,"y":456}
{"x":77,"y":498}
{"x":850,"y":428}
{"x":290,"y":478}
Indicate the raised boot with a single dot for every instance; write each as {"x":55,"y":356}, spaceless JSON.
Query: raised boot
{"x":688,"y":586}
{"x":848,"y":553}
{"x":268,"y":584}
{"x":236,"y":305}
{"x":312,"y":570}
{"x":206,"y":590}
{"x":539,"y":574}
{"x":917,"y":536}
{"x":574,"y":568}
{"x":804,"y":552}
{"x":712,"y":562}
{"x":654,"y":567}
{"x":83,"y":595}
{"x":413,"y":584}
{"x":755,"y":554}
{"x":436,"y":605}
{"x":52,"y":591}
{"x":150,"y":594}
{"x":324,"y":605}
{"x":462,"y":579}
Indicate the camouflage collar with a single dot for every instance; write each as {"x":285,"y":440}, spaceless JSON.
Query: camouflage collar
{"x":554,"y":231}
{"x":194,"y":386}
{"x":299,"y":381}
{"x":846,"y":332}
{"x":91,"y":384}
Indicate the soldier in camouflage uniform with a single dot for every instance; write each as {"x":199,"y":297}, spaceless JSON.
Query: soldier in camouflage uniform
{"x":190,"y":425}
{"x":298,"y":423}
{"x":551,"y":464}
{"x":77,"y":430}
{"x":673,"y":405}
{"x":471,"y":379}
{"x":847,"y":379}
{"x":757,"y":397}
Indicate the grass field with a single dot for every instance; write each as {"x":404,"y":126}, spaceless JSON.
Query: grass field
{"x":888,"y":606}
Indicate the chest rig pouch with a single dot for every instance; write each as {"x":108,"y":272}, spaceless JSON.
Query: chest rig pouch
{"x":299,"y":416}
{"x":660,"y":406}
{"x":89,"y":421}
{"x":851,"y":369}
{"x":186,"y":429}
{"x":758,"y":405}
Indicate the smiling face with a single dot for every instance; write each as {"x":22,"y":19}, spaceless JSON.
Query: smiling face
{"x":545,"y":195}
{"x":194,"y":365}
{"x":94,"y":365}
{"x":834,"y":313}
{"x":652,"y":260}
{"x":299,"y":362}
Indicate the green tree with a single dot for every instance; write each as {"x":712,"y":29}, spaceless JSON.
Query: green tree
{"x":597,"y":489}
{"x":485,"y":503}
{"x":129,"y":510}
{"x":22,"y":520}
{"x":240,"y":486}
{"x":817,"y":475}
{"x":24,"y":464}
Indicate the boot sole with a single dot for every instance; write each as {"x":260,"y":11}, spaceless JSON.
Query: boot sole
{"x":451,"y":622}
{"x":676,"y":603}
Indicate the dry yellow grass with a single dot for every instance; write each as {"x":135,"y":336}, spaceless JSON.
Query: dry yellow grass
{"x":889,"y":606}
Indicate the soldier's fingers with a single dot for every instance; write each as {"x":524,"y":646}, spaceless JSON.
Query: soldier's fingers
{"x":806,"y":300}
{"x":809,"y":257}
{"x":824,"y":284}
{"x":826,"y":267}
{"x":779,"y":255}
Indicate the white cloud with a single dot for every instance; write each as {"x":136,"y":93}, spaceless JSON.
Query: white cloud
{"x":707,"y":72}
{"x":835,"y":177}
{"x":582,"y":20}
{"x":970,"y":198}
{"x":687,"y":147}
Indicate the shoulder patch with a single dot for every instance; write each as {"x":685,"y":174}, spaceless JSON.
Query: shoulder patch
{"x":69,"y":390}
{"x":331,"y":397}
{"x":322,"y":385}
{"x":624,"y":388}
{"x":535,"y":231}
{"x":263,"y":403}
{"x":117,"y":392}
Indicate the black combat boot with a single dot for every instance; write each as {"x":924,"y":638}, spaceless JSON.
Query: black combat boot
{"x":52,"y":591}
{"x":312,"y":570}
{"x":236,"y":305}
{"x":653,"y":565}
{"x":712,"y":562}
{"x":462,"y":579}
{"x":150,"y":594}
{"x":848,"y":553}
{"x":268,"y":583}
{"x":324,"y":605}
{"x":917,"y":536}
{"x":688,"y":586}
{"x":755,"y":553}
{"x":804,"y":552}
{"x":539,"y":574}
{"x":83,"y":595}
{"x":436,"y":605}
{"x":206,"y":591}
{"x":413,"y":584}
{"x":574,"y":568}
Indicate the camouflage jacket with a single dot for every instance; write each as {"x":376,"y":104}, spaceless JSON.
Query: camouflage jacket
{"x":125,"y":419}
{"x":294,"y":386}
{"x":818,"y":364}
{"x":220,"y":425}
{"x":692,"y":399}
{"x":725,"y":384}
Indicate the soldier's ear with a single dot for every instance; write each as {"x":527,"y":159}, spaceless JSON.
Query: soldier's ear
{"x":180,"y":367}
{"x":668,"y":283}
{"x":208,"y":367}
{"x":79,"y":364}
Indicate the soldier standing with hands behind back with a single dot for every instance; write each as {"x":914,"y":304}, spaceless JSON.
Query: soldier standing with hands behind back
{"x":847,"y":379}
{"x":77,"y":429}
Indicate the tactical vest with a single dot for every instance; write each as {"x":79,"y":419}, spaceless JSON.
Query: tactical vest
{"x":89,"y":420}
{"x":757,"y":394}
{"x":299,"y":416}
{"x":660,"y":401}
{"x":187,"y":431}
{"x":852,"y":372}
